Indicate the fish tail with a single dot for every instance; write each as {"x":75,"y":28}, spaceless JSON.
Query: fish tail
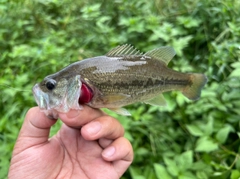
{"x":193,"y":91}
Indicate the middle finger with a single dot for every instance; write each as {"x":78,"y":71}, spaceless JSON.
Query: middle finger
{"x":102,"y":127}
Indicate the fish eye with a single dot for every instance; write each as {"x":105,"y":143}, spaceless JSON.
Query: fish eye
{"x":50,"y":85}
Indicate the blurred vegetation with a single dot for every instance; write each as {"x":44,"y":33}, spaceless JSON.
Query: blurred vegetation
{"x":186,"y":140}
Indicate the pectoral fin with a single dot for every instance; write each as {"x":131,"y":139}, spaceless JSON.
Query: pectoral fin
{"x":157,"y":101}
{"x":121,"y":111}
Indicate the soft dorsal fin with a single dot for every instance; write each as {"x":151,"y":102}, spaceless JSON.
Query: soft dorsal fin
{"x":164,"y":54}
{"x":123,"y":50}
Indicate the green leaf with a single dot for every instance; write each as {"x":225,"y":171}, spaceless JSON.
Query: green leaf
{"x":204,"y":144}
{"x":181,"y":43}
{"x":187,"y":175}
{"x":195,"y":130}
{"x":171,"y":166}
{"x":238,"y":133}
{"x":188,"y":22}
{"x":235,"y":73}
{"x":202,"y":175}
{"x":141,"y":151}
{"x":221,"y":175}
{"x":128,"y":135}
{"x":208,"y":129}
{"x":180,"y":100}
{"x":136,"y":173}
{"x":185,"y":160}
{"x":222,"y":134}
{"x":236,"y":65}
{"x":238,"y":163}
{"x":235,"y":174}
{"x":161,"y":172}
{"x":200,"y":166}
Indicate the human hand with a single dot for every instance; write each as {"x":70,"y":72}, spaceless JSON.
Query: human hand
{"x":89,"y":145}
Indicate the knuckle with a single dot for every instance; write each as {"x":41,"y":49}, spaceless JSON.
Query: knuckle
{"x":113,"y":126}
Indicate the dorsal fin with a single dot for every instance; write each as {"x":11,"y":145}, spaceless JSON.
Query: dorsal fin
{"x":164,"y":54}
{"x":123,"y":50}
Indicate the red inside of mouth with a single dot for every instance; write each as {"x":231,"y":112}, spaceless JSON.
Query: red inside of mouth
{"x":86,"y":94}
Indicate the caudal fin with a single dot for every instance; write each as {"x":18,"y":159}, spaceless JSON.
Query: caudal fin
{"x":193,"y":91}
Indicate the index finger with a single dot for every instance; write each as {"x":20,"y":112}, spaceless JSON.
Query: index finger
{"x":78,"y":118}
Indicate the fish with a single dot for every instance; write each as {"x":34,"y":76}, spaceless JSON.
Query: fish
{"x":123,"y":76}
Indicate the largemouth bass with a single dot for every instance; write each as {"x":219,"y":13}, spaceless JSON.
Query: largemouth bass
{"x":123,"y":76}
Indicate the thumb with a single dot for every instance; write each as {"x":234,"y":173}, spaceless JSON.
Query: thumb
{"x":35,"y":130}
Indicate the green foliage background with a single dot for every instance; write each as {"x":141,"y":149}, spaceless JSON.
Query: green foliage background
{"x":186,"y":140}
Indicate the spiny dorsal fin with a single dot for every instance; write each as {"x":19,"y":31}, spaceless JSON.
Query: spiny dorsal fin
{"x":164,"y":54}
{"x":123,"y":50}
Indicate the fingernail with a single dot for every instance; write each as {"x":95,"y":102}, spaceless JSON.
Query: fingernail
{"x":109,"y":151}
{"x":93,"y":128}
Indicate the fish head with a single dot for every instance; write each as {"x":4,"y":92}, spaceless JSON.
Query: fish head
{"x":58,"y":94}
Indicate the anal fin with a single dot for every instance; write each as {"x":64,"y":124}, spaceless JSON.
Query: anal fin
{"x":157,"y":101}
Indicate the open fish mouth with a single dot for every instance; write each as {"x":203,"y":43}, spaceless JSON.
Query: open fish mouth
{"x":41,"y":98}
